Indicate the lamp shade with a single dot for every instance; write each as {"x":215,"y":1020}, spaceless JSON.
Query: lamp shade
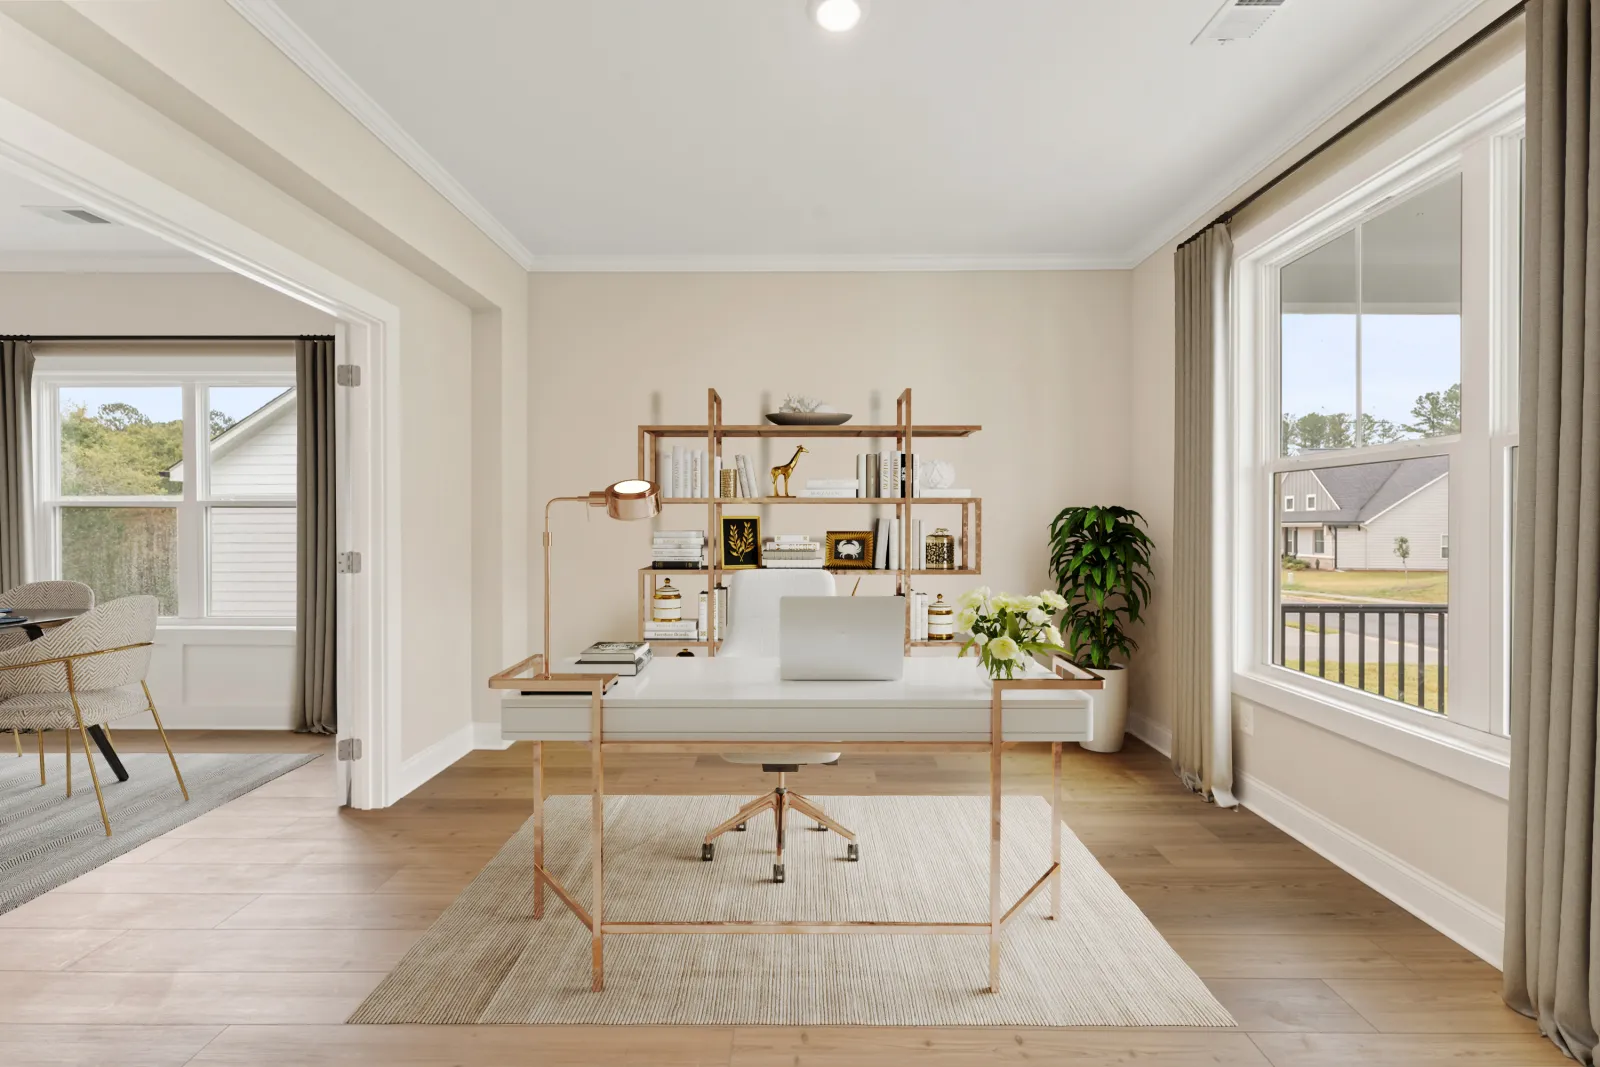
{"x":633,"y":499}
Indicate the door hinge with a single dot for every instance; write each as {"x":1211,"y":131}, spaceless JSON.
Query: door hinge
{"x":347,"y":374}
{"x":348,"y":748}
{"x":349,"y":563}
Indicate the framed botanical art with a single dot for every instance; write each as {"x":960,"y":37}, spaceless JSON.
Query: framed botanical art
{"x":850,"y":549}
{"x":741,"y":542}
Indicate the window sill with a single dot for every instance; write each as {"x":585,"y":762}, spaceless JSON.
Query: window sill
{"x":1479,"y":760}
{"x":175,"y":625}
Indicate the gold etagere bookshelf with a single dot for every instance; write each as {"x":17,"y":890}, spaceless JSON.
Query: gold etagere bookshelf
{"x":714,"y":432}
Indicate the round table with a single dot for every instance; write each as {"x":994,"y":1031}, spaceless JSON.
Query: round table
{"x":34,"y":622}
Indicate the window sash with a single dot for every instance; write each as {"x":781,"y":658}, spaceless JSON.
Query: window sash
{"x":195,"y":376}
{"x":1485,"y":151}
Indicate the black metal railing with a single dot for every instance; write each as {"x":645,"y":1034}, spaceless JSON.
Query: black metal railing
{"x":1395,"y":631}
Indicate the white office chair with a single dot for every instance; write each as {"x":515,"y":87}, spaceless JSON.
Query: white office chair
{"x":752,"y":630}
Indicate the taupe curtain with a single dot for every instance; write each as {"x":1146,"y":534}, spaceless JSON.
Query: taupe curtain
{"x":1552,"y":909}
{"x":16,"y":385}
{"x":1202,"y":739}
{"x":315,"y":617}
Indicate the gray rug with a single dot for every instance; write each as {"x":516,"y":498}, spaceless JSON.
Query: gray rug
{"x":47,"y":839}
{"x":922,"y":858}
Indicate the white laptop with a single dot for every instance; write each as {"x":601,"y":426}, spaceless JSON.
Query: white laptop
{"x":841,"y":638}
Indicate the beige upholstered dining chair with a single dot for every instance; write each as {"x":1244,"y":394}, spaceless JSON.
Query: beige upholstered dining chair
{"x":87,"y":672}
{"x":61,"y":596}
{"x":752,"y":630}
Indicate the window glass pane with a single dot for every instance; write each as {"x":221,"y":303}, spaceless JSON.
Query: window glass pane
{"x":252,"y":557}
{"x":121,"y":552}
{"x":1411,"y":317}
{"x":121,"y":440}
{"x":1318,"y":345}
{"x":252,"y":441}
{"x":1364,"y":598}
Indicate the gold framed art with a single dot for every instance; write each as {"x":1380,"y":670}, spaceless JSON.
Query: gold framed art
{"x":741,"y":542}
{"x":850,"y":549}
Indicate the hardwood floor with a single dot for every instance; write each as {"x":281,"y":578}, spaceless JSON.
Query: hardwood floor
{"x":247,"y":935}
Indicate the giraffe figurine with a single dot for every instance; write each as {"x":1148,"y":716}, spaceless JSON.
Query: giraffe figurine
{"x":786,"y":469}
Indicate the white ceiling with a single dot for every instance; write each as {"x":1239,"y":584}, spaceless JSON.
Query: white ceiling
{"x":722,"y":132}
{"x":31,"y":242}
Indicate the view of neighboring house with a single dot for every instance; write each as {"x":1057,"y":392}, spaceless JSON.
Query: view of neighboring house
{"x":1349,"y":518}
{"x":253,"y":547}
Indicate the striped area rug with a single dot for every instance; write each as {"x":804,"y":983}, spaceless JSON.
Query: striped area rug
{"x":47,"y":839}
{"x":922,"y":858}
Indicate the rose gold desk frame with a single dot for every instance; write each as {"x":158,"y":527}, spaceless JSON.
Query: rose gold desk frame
{"x":520,"y":677}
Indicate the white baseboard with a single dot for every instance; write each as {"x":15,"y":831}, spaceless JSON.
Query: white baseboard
{"x":1157,"y":735}
{"x":432,"y":760}
{"x":201,"y":718}
{"x":486,"y":735}
{"x":1463,"y":920}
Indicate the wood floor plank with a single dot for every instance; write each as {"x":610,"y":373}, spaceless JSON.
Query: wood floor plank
{"x":334,"y":911}
{"x":34,"y":1045}
{"x":468,"y":1046}
{"x":961,"y":1047}
{"x":233,"y":878}
{"x":1286,"y":956}
{"x":1431,"y":1005}
{"x":133,"y":911}
{"x":1290,"y":1004}
{"x":182,"y":951}
{"x":1408,"y":1050}
{"x":23,"y":949}
{"x":86,"y":998}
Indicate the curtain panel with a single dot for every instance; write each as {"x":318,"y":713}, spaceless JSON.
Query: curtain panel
{"x":16,"y":389}
{"x":1551,"y":902}
{"x":314,"y":707}
{"x":1202,"y":738}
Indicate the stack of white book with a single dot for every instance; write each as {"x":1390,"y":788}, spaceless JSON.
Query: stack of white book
{"x":678,"y":550}
{"x":919,"y":616}
{"x":672,"y":633}
{"x":831,"y":488}
{"x":687,"y":472}
{"x":795,"y":551}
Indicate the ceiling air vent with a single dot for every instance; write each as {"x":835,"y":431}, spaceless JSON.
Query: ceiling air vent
{"x":1239,"y":19}
{"x":72,"y":216}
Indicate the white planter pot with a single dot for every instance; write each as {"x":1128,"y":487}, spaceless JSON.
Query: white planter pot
{"x":1110,"y":711}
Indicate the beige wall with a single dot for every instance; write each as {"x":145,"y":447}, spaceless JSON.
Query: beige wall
{"x":1039,"y":359}
{"x":155,"y":304}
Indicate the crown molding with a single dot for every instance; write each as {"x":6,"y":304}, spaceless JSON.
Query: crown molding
{"x":1199,"y":209}
{"x":276,"y":26}
{"x":18,"y":262}
{"x":815,"y":264}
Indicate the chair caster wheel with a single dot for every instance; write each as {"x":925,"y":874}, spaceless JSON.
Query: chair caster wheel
{"x":852,"y":852}
{"x":777,"y":873}
{"x":708,"y":851}
{"x":740,"y":827}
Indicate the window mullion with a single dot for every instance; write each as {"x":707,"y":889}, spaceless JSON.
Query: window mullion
{"x":191,"y":512}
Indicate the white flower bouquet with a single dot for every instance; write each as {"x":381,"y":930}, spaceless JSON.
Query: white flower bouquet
{"x":1007,"y":630}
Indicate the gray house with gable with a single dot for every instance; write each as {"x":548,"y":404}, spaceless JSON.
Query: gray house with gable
{"x":1347,"y":518}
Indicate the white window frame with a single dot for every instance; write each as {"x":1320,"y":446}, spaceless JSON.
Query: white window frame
{"x":194,"y":375}
{"x":1319,"y":541}
{"x":1288,"y":502}
{"x":1311,"y":502}
{"x":1471,"y":744}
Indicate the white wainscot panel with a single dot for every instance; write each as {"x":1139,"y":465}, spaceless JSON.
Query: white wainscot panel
{"x":221,"y":678}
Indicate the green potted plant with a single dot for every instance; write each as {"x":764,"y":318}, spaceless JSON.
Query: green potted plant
{"x":1100,"y":559}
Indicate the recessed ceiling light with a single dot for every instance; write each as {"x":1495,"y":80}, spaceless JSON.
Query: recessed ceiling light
{"x":836,"y":16}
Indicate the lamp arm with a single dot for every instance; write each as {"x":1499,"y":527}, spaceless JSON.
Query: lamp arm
{"x":544,"y":671}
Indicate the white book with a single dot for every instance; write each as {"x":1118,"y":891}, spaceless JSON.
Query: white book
{"x":829,"y":494}
{"x":885,"y":471}
{"x":805,"y":539}
{"x":793,"y":564}
{"x":861,"y":474}
{"x":664,"y":470}
{"x":880,"y":544}
{"x":897,"y":475}
{"x":678,"y":486}
{"x":830,"y":483}
{"x":894,"y":544}
{"x":744,"y":475}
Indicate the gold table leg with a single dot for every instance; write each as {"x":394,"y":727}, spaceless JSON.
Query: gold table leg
{"x":538,"y":828}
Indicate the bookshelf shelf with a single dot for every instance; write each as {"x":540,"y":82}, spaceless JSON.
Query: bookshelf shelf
{"x":903,"y":431}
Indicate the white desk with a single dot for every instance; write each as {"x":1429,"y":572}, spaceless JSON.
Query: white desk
{"x":705,"y":704}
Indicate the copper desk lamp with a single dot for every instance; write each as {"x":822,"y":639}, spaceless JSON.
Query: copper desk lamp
{"x":629,"y":500}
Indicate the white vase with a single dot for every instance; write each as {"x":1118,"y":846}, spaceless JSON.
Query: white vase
{"x":1110,"y":710}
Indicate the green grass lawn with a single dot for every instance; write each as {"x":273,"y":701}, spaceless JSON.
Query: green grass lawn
{"x":1419,"y":587}
{"x":1391,"y":679}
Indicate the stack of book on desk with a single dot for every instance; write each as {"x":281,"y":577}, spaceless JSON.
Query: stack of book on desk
{"x":791,"y":550}
{"x":831,"y":488}
{"x":673,"y":633}
{"x":678,"y":550}
{"x":617,"y":657}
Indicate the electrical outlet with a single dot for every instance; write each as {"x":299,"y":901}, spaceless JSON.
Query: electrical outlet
{"x":1247,"y":720}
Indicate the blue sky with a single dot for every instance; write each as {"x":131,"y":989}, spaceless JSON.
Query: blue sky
{"x":164,"y":403}
{"x":1402,"y":357}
